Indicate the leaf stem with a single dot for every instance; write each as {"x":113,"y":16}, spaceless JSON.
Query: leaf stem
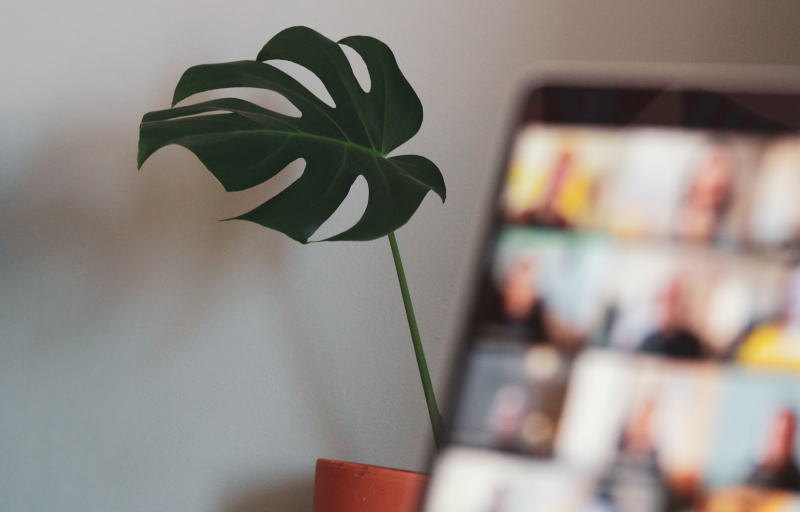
{"x":433,"y":411}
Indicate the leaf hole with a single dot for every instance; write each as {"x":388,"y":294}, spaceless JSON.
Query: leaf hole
{"x":348,"y":213}
{"x":246,"y":200}
{"x":305,"y":77}
{"x":360,"y":69}
{"x":268,"y":99}
{"x":201,"y":114}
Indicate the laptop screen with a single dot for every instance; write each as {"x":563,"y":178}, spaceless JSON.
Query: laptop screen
{"x":635,"y":342}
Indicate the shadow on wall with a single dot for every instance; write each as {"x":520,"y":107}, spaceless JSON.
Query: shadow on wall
{"x":83,"y":213}
{"x":292,"y":496}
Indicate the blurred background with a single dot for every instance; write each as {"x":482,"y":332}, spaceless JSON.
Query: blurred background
{"x":152,"y":358}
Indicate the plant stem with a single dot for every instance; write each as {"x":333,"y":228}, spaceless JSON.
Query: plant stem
{"x":430,"y":399}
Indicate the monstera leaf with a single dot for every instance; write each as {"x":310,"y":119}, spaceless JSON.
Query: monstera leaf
{"x":244,"y":144}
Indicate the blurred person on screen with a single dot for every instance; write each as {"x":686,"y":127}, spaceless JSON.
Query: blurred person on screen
{"x":634,"y":482}
{"x":550,"y":211}
{"x":637,"y":446}
{"x":774,"y":483}
{"x":506,"y":414}
{"x":778,"y":468}
{"x":521,"y":300}
{"x":707,"y":198}
{"x":672,"y":337}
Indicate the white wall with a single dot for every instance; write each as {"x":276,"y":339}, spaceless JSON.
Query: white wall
{"x":154,"y":359}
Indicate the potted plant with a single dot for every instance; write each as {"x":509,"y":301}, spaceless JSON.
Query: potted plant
{"x":244,"y":145}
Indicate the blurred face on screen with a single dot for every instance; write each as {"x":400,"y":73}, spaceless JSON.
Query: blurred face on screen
{"x":520,"y":289}
{"x":671,"y":306}
{"x":781,"y":443}
{"x":637,"y":438}
{"x":712,"y":183}
{"x":706,"y":198}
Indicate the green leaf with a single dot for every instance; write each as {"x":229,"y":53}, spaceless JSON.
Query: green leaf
{"x":243,"y":144}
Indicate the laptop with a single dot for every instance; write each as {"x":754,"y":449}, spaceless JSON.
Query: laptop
{"x":634,"y":342}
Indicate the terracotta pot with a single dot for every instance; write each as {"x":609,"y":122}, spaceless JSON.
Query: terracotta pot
{"x":350,"y":487}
